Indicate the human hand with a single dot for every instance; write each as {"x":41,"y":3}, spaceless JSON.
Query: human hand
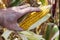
{"x":11,"y":15}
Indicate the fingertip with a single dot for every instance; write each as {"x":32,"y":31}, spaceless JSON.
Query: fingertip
{"x":20,"y":29}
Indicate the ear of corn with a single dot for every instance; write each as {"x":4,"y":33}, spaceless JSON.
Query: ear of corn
{"x":34,"y":17}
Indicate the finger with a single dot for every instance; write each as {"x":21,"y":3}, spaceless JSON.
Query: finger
{"x":30,"y":9}
{"x":27,"y":10}
{"x":14,"y":27}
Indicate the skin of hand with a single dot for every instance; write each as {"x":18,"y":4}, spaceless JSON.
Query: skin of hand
{"x":9,"y":16}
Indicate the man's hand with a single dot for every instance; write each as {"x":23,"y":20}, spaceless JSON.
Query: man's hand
{"x":10,"y":16}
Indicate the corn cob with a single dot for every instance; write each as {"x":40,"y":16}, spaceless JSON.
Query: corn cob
{"x":34,"y":17}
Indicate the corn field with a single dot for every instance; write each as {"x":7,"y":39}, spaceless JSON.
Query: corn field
{"x":42,"y":25}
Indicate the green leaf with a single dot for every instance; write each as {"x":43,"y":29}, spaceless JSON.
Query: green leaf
{"x":55,"y":28}
{"x":57,"y":38}
{"x":15,"y":3}
{"x":43,"y":2}
{"x":48,"y":31}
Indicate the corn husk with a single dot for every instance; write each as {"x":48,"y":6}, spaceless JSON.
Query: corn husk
{"x":32,"y":36}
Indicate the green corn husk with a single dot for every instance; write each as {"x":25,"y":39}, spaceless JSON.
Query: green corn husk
{"x":44,"y":2}
{"x":47,"y":33}
{"x":57,"y":38}
{"x":50,"y":31}
{"x":54,"y":30}
{"x":32,"y":36}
